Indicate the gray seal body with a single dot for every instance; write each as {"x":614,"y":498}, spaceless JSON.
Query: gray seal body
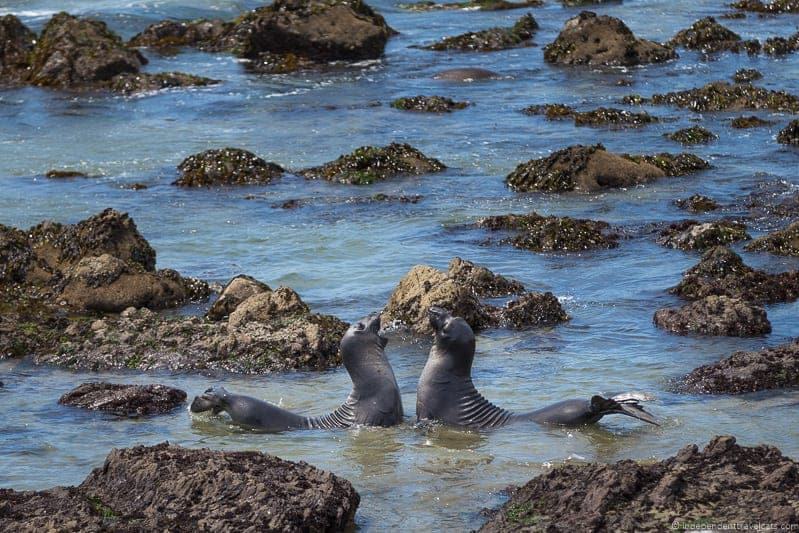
{"x":446,"y":392}
{"x":374,"y":401}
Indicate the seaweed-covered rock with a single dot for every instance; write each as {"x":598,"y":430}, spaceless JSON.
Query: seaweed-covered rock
{"x":773,"y":7}
{"x":481,"y":281}
{"x":708,"y":36}
{"x":717,"y":316}
{"x":181,"y":489}
{"x":428,"y":104}
{"x":369,"y":164}
{"x":227,"y":166}
{"x":202,"y":34}
{"x":790,"y":134}
{"x":680,"y":164}
{"x":781,"y":242}
{"x":520,"y":34}
{"x":530,"y":309}
{"x":692,"y":135}
{"x":130,"y":83}
{"x":722,"y":272}
{"x":697,"y":204}
{"x":746,"y":75}
{"x":602,"y":116}
{"x":723,"y":484}
{"x":769,"y":368}
{"x":693,"y":235}
{"x":478,"y":5}
{"x":777,"y":46}
{"x":124,"y":400}
{"x":588,"y":39}
{"x":723,"y":96}
{"x":551,"y":233}
{"x":236,"y":291}
{"x":56,"y":174}
{"x":16,"y":45}
{"x":751,"y":121}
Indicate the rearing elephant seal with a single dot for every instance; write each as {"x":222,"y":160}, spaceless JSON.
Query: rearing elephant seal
{"x":374,"y":401}
{"x":446,"y":391}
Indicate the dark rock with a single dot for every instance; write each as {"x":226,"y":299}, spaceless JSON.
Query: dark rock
{"x":466,"y":74}
{"x":471,"y":5}
{"x":692,"y":135}
{"x":428,"y":104}
{"x":789,"y":135}
{"x":130,"y":83}
{"x":62,"y":174}
{"x":722,"y":272}
{"x":271,"y":63}
{"x":723,"y":484}
{"x":588,"y":39}
{"x":746,"y":75}
{"x":709,"y":36}
{"x":773,"y":7}
{"x":124,"y":400}
{"x":780,"y":45}
{"x":749,"y":122}
{"x":135,"y":186}
{"x":693,"y":235}
{"x":181,"y":489}
{"x":780,"y":242}
{"x":672,"y":164}
{"x":205,"y":35}
{"x":722,"y":96}
{"x":715,"y":315}
{"x":520,"y":34}
{"x":735,"y":15}
{"x":602,"y":116}
{"x":369,"y":164}
{"x":533,"y":309}
{"x":16,"y":45}
{"x":552,"y":234}
{"x":697,"y":204}
{"x":227,"y":166}
{"x":481,"y":281}
{"x":769,"y":368}
{"x":235,"y":292}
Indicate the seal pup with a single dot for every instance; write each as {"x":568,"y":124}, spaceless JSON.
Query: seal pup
{"x":374,"y":401}
{"x":446,"y":391}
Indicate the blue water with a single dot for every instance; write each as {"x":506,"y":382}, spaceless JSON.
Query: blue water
{"x":345,"y":258}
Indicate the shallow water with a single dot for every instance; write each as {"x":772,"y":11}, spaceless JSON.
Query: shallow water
{"x":344,"y":258}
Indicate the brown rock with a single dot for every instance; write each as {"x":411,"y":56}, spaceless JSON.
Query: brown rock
{"x":268,"y":305}
{"x":227,"y":166}
{"x":482,"y":281}
{"x":236,"y":291}
{"x":124,"y":400}
{"x":552,"y":234}
{"x":16,"y":44}
{"x":693,"y":235}
{"x":780,"y":242}
{"x":715,"y":315}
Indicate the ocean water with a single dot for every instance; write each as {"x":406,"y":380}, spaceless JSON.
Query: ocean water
{"x":345,"y":257}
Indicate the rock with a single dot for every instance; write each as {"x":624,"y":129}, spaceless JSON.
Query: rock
{"x":602,"y":116}
{"x":746,"y":75}
{"x":369,"y":164}
{"x":680,"y":164}
{"x":181,"y":489}
{"x":693,"y":235}
{"x":708,"y":36}
{"x":481,"y":281}
{"x":235,"y":292}
{"x":471,"y":5}
{"x":589,"y":39}
{"x":551,"y":233}
{"x":64,"y":174}
{"x":742,"y":372}
{"x":271,"y":63}
{"x":269,"y":305}
{"x":722,"y":272}
{"x":780,"y":45}
{"x":789,"y":135}
{"x":722,"y":96}
{"x":692,"y":135}
{"x":715,"y":315}
{"x":773,"y":7}
{"x":16,"y":45}
{"x":428,"y":104}
{"x":749,"y":122}
{"x":124,"y":400}
{"x":205,"y":35}
{"x":137,"y":186}
{"x":531,"y":309}
{"x":780,"y":242}
{"x":145,"y":82}
{"x":466,"y":74}
{"x":697,"y":204}
{"x":723,"y":484}
{"x":520,"y":34}
{"x":227,"y":166}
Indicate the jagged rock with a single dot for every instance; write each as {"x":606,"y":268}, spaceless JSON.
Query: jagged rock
{"x":723,"y":484}
{"x":722,"y":272}
{"x":520,"y":34}
{"x":723,"y":96}
{"x":264,"y":306}
{"x":709,"y":36}
{"x":715,"y":315}
{"x":749,"y":122}
{"x":693,"y":235}
{"x":471,"y":5}
{"x":697,"y":204}
{"x":531,"y":309}
{"x":789,"y":135}
{"x":236,"y":291}
{"x":692,"y":135}
{"x":16,"y":45}
{"x":124,"y":400}
{"x":602,"y":116}
{"x":428,"y":104}
{"x":780,"y":45}
{"x":369,"y":164}
{"x":773,"y":7}
{"x":746,"y":75}
{"x":130,"y":83}
{"x":481,"y":281}
{"x":180,"y":489}
{"x":780,"y":242}
{"x":227,"y":166}
{"x":551,"y":233}
{"x":206,"y":35}
{"x":588,"y":39}
{"x":680,"y":164}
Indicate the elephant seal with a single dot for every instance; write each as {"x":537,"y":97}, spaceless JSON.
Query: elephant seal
{"x":446,"y":392}
{"x":374,"y":401}
{"x":466,"y":74}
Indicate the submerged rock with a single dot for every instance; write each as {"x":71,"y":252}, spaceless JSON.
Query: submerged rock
{"x":708,"y":36}
{"x":773,"y":7}
{"x":602,"y":116}
{"x":206,"y":35}
{"x":471,"y":5}
{"x":692,"y":135}
{"x":697,"y":204}
{"x":428,"y":104}
{"x":65,"y":174}
{"x":725,"y":481}
{"x":551,"y":233}
{"x":589,"y":39}
{"x":723,"y":96}
{"x":693,"y":235}
{"x":722,"y":272}
{"x":746,"y":75}
{"x":16,"y":45}
{"x":181,"y":489}
{"x":520,"y":34}
{"x":749,"y":122}
{"x":124,"y":400}
{"x":369,"y":164}
{"x":227,"y":166}
{"x":742,"y":372}
{"x":780,"y":242}
{"x":790,"y":134}
{"x":715,"y":315}
{"x":146,"y":82}
{"x":780,"y":45}
{"x":466,"y":74}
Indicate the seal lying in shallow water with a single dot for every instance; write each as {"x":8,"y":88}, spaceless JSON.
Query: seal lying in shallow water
{"x":374,"y":401}
{"x":446,"y":392}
